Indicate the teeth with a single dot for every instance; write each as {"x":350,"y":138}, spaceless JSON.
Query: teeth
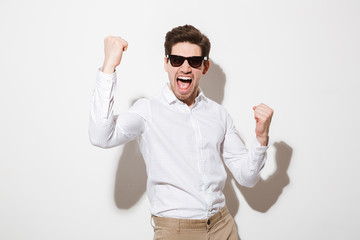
{"x":185,"y":78}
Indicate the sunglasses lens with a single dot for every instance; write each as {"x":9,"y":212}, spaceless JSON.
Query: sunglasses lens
{"x":195,"y":62}
{"x":176,"y":61}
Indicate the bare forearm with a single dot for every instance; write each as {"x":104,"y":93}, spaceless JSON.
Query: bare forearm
{"x":108,"y":69}
{"x":263,"y":140}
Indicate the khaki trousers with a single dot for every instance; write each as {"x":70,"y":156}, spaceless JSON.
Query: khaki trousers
{"x":221,"y":226}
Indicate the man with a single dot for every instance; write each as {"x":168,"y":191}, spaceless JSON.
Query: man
{"x":182,"y":135}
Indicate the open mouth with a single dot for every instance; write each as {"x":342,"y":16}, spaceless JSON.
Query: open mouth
{"x":184,"y":83}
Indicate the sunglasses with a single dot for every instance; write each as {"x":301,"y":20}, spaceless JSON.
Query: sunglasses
{"x":177,"y":61}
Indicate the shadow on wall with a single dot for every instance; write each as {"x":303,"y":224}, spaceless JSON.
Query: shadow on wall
{"x":130,"y":183}
{"x":213,"y":83}
{"x":266,"y":192}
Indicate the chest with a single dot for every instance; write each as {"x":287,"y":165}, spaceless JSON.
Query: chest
{"x":187,"y":127}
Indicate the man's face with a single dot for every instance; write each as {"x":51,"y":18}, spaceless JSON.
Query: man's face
{"x":184,"y":80}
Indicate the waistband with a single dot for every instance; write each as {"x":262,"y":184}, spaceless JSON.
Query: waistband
{"x":179,"y":223}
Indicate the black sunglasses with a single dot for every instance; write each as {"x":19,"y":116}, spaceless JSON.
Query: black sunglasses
{"x":177,"y":61}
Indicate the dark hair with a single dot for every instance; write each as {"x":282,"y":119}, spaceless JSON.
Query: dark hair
{"x":187,"y":33}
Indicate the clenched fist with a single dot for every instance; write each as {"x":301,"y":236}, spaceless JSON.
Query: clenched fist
{"x":263,"y":115}
{"x":114,"y":48}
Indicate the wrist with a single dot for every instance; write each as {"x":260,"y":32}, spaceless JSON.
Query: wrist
{"x":263,"y":140}
{"x":108,"y":69}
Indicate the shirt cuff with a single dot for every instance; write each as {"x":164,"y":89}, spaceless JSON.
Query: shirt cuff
{"x":105,"y":79}
{"x":259,"y":147}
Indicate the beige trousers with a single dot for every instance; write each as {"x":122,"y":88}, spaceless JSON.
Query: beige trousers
{"x":221,"y":226}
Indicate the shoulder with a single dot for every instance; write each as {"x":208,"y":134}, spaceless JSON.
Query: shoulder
{"x":140,"y":104}
{"x":220,"y":112}
{"x":142,"y":108}
{"x":216,"y":107}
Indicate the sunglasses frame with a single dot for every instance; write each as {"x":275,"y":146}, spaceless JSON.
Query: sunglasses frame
{"x":189,"y":59}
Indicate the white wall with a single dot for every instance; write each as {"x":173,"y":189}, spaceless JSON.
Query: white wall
{"x":300,"y":57}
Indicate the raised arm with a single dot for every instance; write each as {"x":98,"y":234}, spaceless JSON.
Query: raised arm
{"x":106,"y":129}
{"x":246,"y":164}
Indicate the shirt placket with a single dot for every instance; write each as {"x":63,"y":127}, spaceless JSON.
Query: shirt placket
{"x":201,"y":159}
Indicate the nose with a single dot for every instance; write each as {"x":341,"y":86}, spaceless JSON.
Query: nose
{"x":185,"y":67}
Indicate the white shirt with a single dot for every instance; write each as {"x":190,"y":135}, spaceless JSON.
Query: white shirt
{"x":181,"y":147}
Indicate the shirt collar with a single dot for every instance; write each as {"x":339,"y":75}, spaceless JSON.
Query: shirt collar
{"x":169,"y":95}
{"x":171,"y":98}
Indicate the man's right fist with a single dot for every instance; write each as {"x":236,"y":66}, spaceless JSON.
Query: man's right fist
{"x":114,"y":48}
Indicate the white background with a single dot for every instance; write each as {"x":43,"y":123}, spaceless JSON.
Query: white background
{"x":300,"y":57}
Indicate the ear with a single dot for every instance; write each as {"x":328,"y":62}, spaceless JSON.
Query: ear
{"x":206,"y":67}
{"x":166,"y":64}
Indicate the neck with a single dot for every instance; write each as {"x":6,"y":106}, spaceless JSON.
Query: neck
{"x":190,"y":101}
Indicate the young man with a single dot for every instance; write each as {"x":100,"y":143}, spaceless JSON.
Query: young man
{"x":182,"y":135}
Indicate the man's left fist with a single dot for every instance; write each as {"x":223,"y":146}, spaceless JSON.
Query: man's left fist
{"x":263,"y":115}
